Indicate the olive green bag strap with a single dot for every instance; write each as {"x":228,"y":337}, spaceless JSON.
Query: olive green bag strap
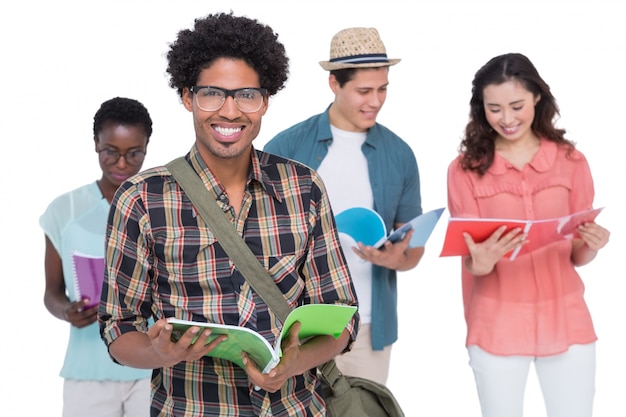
{"x":245,"y":260}
{"x":228,"y":237}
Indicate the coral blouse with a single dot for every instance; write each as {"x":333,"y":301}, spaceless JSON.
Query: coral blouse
{"x":533,"y":305}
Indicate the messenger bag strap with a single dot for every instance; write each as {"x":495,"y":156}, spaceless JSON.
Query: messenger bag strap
{"x":229,"y":239}
{"x":247,"y":263}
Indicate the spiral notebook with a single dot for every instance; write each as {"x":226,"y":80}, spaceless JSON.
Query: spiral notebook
{"x":88,"y":277}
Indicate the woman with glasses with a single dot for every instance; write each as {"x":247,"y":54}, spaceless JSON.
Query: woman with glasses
{"x":74,"y":225}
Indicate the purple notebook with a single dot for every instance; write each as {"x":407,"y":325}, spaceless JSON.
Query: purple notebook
{"x":88,"y":277}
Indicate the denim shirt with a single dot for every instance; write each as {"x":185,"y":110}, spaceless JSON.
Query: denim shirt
{"x":395,"y":183}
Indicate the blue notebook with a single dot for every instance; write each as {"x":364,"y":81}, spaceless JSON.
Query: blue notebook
{"x":366,"y":226}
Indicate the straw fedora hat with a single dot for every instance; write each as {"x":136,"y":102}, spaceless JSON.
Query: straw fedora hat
{"x":357,"y":48}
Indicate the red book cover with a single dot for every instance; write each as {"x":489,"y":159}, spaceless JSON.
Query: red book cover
{"x":539,"y":232}
{"x":479,"y":230}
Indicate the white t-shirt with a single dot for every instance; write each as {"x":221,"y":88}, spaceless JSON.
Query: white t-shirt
{"x":346,"y":178}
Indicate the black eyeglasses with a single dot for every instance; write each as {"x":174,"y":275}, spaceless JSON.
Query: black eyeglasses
{"x":110,"y":156}
{"x":248,"y":100}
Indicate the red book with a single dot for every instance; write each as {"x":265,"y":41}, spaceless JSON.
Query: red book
{"x":539,"y":232}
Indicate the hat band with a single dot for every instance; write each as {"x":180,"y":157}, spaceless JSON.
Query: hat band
{"x":361,"y":59}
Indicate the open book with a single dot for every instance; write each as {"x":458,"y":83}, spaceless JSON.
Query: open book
{"x":539,"y":232}
{"x":88,"y":277}
{"x":365,"y":225}
{"x":315,"y":319}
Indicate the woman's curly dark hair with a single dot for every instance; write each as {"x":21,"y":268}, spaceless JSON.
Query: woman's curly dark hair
{"x":478,"y":145}
{"x":225,"y":35}
{"x":123,"y":111}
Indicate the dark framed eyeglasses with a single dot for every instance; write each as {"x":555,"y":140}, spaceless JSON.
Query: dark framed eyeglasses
{"x":248,"y":100}
{"x":110,"y":156}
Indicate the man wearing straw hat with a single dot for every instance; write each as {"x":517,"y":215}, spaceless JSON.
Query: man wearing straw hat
{"x":362,"y":164}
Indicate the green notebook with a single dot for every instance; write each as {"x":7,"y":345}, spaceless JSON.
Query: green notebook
{"x":315,"y":319}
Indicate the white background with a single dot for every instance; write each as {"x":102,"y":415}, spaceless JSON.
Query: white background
{"x":61,"y":59}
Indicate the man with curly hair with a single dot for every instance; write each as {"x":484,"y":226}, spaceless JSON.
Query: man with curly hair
{"x":163,"y":261}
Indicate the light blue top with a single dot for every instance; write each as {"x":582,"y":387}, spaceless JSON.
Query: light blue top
{"x":395,"y":182}
{"x":77,"y":221}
